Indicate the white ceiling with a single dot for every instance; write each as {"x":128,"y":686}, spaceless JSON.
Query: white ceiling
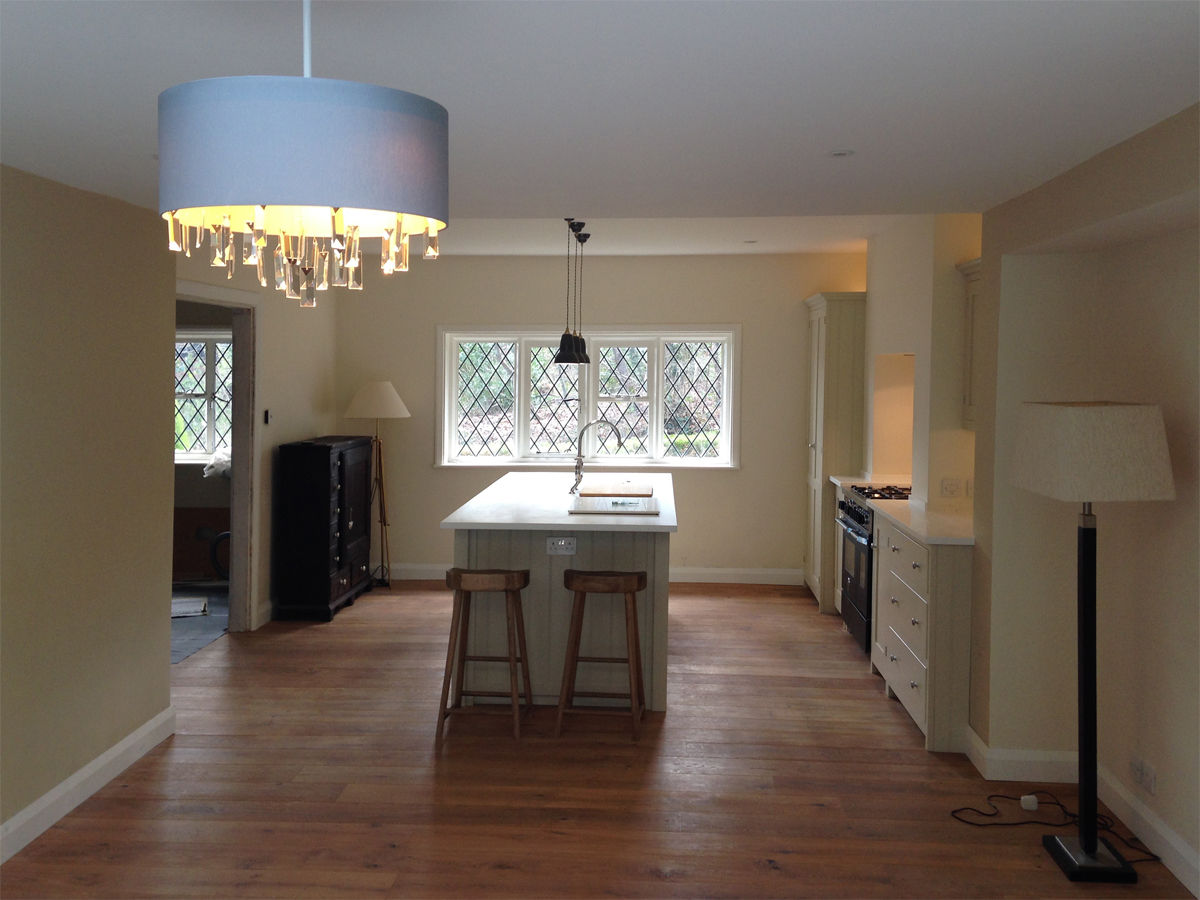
{"x":679,"y":126}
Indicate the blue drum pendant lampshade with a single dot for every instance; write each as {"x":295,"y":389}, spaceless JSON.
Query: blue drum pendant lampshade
{"x":318,"y":164}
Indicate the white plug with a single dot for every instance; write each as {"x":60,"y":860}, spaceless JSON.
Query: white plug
{"x":1028,"y":802}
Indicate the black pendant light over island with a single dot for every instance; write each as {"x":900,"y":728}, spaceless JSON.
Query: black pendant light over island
{"x":572,"y":348}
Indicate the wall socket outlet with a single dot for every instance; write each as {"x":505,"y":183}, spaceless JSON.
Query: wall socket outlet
{"x":1143,"y":774}
{"x":560,"y":546}
{"x":951,"y":487}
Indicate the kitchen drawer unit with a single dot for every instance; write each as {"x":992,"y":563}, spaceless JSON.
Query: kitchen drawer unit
{"x":921,"y":637}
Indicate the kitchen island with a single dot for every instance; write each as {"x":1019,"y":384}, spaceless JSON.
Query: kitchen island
{"x":529,"y":520}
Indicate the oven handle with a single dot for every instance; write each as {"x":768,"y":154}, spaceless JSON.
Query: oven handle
{"x":852,"y":534}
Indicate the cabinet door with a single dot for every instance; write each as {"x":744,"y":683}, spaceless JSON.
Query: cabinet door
{"x":816,"y":418}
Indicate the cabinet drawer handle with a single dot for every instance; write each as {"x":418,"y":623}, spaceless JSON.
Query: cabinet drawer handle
{"x":362,"y":568}
{"x":916,"y":621}
{"x":895,"y":602}
{"x":350,"y":524}
{"x":913,"y":685}
{"x":894,"y":548}
{"x":337,"y":558}
{"x":892,"y":658}
{"x":916,"y":565}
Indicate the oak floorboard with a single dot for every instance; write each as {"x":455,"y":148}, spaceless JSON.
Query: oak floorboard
{"x":304,"y":766}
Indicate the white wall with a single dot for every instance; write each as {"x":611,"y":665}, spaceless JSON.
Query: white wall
{"x":915,"y":306}
{"x":1113,"y":318}
{"x":752,"y":518}
{"x":88,"y":322}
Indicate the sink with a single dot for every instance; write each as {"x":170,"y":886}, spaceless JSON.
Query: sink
{"x":613,"y":506}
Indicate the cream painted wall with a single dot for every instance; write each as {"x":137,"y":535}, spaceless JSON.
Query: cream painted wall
{"x":750,"y":518}
{"x":915,"y":305}
{"x":1106,"y":325}
{"x":1137,"y":335}
{"x":87,"y":323}
{"x":891,"y":412}
{"x":295,"y":371}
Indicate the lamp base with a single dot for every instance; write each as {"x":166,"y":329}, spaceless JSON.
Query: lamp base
{"x":1106,"y":865}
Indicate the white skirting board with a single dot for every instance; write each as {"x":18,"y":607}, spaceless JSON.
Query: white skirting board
{"x":1061,"y":766}
{"x":30,"y":822}
{"x":433,"y":572}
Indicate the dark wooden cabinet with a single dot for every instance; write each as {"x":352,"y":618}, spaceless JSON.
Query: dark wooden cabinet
{"x":322,"y":528}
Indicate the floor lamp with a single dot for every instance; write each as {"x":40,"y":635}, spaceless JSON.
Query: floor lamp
{"x":379,"y":400}
{"x":1085,"y":453}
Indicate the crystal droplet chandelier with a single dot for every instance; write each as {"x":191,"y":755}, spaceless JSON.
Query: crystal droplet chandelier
{"x":295,"y":177}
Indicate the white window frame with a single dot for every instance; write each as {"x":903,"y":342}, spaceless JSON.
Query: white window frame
{"x":209,"y":336}
{"x":654,"y":337}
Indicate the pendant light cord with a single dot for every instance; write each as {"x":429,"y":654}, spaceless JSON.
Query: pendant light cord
{"x":567,"y":327}
{"x":578,"y":285}
{"x":307,"y":7}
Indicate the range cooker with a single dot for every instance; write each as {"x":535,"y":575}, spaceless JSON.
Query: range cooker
{"x":857,"y":521}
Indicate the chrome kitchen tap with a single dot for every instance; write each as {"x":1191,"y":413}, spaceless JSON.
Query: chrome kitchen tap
{"x":579,"y":449}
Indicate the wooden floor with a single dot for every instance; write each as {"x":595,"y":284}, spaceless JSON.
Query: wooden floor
{"x":304,"y":766}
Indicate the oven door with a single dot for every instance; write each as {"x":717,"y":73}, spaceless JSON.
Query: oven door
{"x":856,"y":584}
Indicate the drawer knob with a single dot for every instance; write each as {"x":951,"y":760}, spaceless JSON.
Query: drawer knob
{"x":892,"y":658}
{"x":895,"y":602}
{"x":916,"y":565}
{"x":350,"y":524}
{"x":916,"y":621}
{"x":895,"y":549}
{"x":337,"y":558}
{"x":913,"y":685}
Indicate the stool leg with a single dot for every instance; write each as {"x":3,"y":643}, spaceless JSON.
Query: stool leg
{"x":455,"y":617}
{"x":631,"y":641}
{"x":524,"y":652}
{"x":510,"y":616}
{"x":572,"y":659}
{"x":463,"y":632}
{"x":637,"y":648}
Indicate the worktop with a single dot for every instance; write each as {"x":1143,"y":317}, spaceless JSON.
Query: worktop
{"x":928,"y":526}
{"x":523,"y":521}
{"x":525,"y":501}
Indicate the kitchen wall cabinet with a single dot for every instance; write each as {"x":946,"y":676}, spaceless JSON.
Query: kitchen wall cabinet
{"x":322,"y":531}
{"x":921,"y":631}
{"x":837,"y":342}
{"x":971,"y":273}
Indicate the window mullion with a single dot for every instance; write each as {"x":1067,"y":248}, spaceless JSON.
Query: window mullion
{"x":654,"y":384}
{"x":521,"y":397}
{"x":210,"y":395}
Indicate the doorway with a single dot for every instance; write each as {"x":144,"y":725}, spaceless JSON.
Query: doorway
{"x":213,"y":514}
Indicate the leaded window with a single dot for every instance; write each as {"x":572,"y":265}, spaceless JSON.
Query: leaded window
{"x":203,"y":393}
{"x":669,"y":395}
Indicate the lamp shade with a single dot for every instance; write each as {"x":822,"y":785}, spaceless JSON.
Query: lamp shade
{"x":234,"y":143}
{"x":1093,"y":452}
{"x":377,"y":400}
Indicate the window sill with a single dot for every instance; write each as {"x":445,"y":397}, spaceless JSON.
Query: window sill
{"x":590,"y":464}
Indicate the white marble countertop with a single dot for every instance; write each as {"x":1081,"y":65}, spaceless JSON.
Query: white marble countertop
{"x":535,"y":501}
{"x":927,"y":526}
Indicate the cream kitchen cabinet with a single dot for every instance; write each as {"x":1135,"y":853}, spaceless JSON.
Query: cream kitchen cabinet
{"x":921,"y":629}
{"x":971,"y":279}
{"x":837,"y":345}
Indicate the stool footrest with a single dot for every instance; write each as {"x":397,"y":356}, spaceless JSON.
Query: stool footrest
{"x":608,"y":695}
{"x":505,"y":694}
{"x":602,"y":659}
{"x":503,"y":659}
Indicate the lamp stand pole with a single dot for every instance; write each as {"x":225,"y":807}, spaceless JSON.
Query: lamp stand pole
{"x":1087,"y":857}
{"x":382,"y":574}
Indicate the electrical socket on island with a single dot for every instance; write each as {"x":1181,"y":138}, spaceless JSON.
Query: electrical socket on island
{"x":560,"y":546}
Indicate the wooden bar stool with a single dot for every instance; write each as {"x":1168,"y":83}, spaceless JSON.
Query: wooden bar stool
{"x":584,"y":583}
{"x":464,"y":582}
